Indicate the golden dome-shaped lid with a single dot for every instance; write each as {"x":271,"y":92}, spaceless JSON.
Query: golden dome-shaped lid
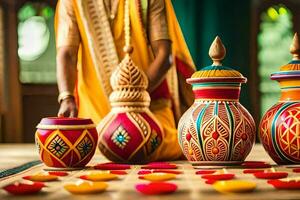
{"x":129,"y":85}
{"x":217,"y":53}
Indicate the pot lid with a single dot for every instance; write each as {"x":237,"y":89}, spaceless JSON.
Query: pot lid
{"x":217,"y":53}
{"x":291,"y":69}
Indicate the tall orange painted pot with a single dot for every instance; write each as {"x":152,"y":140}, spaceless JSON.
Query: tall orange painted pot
{"x":279,"y":128}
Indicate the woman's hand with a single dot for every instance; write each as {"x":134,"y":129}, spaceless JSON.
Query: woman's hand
{"x":68,"y":108}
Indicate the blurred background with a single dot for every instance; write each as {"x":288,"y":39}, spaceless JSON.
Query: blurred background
{"x":256,"y":33}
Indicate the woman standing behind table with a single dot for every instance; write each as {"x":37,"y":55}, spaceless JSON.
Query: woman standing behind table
{"x":90,"y":40}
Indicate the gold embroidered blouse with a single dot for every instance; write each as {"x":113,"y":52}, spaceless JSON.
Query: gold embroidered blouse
{"x":68,"y":32}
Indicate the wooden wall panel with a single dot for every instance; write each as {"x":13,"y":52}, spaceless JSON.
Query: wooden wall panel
{"x":2,"y":75}
{"x":13,"y":115}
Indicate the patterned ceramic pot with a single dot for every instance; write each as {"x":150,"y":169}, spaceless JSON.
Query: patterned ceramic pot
{"x":216,"y":129}
{"x":66,"y":142}
{"x":130,"y":132}
{"x":279,"y":128}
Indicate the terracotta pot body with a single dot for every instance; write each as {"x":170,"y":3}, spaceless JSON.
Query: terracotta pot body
{"x":279,"y":128}
{"x":130,"y":133}
{"x":129,"y":136}
{"x":216,"y":129}
{"x":66,"y":142}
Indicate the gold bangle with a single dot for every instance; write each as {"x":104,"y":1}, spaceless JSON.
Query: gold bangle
{"x":64,"y":95}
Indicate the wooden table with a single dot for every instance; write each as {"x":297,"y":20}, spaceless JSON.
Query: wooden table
{"x":190,"y":185}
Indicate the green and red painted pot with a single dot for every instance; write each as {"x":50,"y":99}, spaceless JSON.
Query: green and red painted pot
{"x":216,"y":129}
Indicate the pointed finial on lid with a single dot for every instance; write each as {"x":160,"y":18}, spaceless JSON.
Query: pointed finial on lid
{"x":295,"y":47}
{"x":217,"y":52}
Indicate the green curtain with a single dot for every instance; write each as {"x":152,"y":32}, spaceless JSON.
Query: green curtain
{"x":202,"y":20}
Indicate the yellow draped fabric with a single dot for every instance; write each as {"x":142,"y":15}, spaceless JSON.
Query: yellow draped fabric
{"x":91,"y":97}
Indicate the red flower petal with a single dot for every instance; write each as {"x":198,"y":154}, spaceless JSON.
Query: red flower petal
{"x":156,"y":188}
{"x":148,"y":171}
{"x":160,"y":163}
{"x":286,"y":185}
{"x":255,"y":164}
{"x":160,"y":166}
{"x":219,"y":176}
{"x":143,"y":172}
{"x":296,"y":170}
{"x":251,"y":171}
{"x":84,"y":177}
{"x":201,"y":172}
{"x":112,"y":166}
{"x":118,"y":172}
{"x":270,"y":175}
{"x":56,"y":173}
{"x":167,"y":171}
{"x":22,"y":188}
{"x":210,"y":181}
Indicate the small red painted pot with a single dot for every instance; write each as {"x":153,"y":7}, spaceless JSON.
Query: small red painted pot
{"x":66,"y":142}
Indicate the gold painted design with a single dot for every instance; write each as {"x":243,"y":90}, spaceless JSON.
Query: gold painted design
{"x":59,"y":157}
{"x":142,"y":124}
{"x":129,"y":85}
{"x":58,"y":147}
{"x":84,"y":134}
{"x":85,"y":146}
{"x":288,"y":133}
{"x":65,"y":127}
{"x":100,"y":39}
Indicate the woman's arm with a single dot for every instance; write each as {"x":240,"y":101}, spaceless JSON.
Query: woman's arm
{"x":67,"y":43}
{"x":158,"y":35}
{"x":161,"y":63}
{"x":66,"y":78}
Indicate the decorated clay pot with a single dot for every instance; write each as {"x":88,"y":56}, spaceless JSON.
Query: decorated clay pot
{"x":66,"y":142}
{"x":216,"y":129}
{"x":130,"y":132}
{"x":279,"y":128}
